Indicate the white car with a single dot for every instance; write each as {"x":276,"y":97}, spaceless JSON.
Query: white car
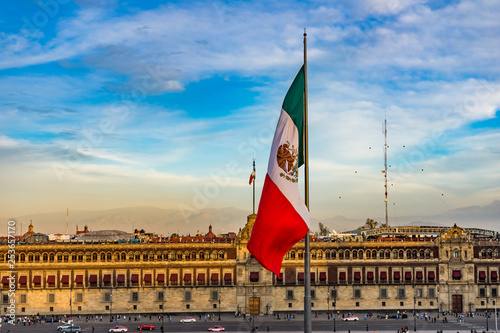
{"x":188,"y":320}
{"x":60,"y":328}
{"x":351,"y":318}
{"x":118,"y":329}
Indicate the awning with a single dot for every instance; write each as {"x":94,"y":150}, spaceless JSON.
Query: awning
{"x":494,"y":275}
{"x":134,"y":278}
{"x":187,"y":277}
{"x":24,"y":279}
{"x":160,"y":278}
{"x":227,"y":277}
{"x":65,"y":279}
{"x":254,"y":276}
{"x":431,"y":275}
{"x":457,"y":274}
{"x":397,"y":275}
{"x":5,"y":280}
{"x":106,"y":278}
{"x":79,"y":279}
{"x":173,"y":277}
{"x":383,"y":275}
{"x":215,"y":277}
{"x":482,"y":275}
{"x":369,"y":275}
{"x":301,"y":276}
{"x":407,"y":275}
{"x":37,"y":279}
{"x":420,"y":275}
{"x":279,"y":277}
{"x":357,"y":276}
{"x":201,"y":277}
{"x":93,"y":278}
{"x":313,"y":276}
{"x":342,"y":275}
{"x":51,"y":279}
{"x":322,"y":276}
{"x":120,"y":278}
{"x":147,"y":278}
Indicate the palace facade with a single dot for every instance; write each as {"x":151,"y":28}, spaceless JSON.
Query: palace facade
{"x":387,"y":269}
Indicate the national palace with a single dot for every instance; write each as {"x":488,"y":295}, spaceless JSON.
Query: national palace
{"x":385,"y":269}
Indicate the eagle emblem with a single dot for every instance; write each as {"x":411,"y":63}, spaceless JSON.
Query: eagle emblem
{"x":286,"y":157}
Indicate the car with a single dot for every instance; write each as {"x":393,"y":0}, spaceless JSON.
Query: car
{"x":147,"y":327}
{"x":72,"y":329}
{"x":351,"y":318}
{"x":60,"y":328}
{"x":117,"y":329}
{"x":216,"y":329}
{"x":188,"y":320}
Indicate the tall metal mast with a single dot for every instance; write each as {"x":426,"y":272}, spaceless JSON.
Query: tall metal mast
{"x":385,"y":169}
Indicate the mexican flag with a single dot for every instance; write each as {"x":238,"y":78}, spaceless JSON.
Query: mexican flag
{"x":283,"y":218}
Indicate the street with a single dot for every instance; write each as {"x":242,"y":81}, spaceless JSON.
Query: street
{"x":263,"y":323}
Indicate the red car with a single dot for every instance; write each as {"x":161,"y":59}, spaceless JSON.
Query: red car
{"x":147,"y":327}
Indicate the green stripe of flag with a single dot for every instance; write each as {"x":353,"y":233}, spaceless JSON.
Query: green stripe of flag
{"x":294,"y":106}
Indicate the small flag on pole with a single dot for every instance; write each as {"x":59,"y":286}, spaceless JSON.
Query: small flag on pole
{"x":252,"y":178}
{"x":282,"y":218}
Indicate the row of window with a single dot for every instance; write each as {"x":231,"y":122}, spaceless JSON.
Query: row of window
{"x":357,"y":277}
{"x":117,"y":256}
{"x":362,"y":254}
{"x":121,"y":280}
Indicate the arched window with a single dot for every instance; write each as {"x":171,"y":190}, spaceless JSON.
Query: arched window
{"x":103,"y":256}
{"x":374,"y":254}
{"x":313,"y":255}
{"x":292,"y":255}
{"x":401,"y":254}
{"x":320,"y":255}
{"x":354,"y":254}
{"x":202,"y":255}
{"x":347,"y":254}
{"x":30,"y":257}
{"x":360,"y":254}
{"x":51,"y":257}
{"x":108,"y":256}
{"x":334,"y":254}
{"x":45,"y":257}
{"x":368,"y":254}
{"x":66,"y":257}
{"x":341,"y":255}
{"x":193,"y":255}
{"x":387,"y":254}
{"x":395,"y":254}
{"x":123,"y":256}
{"x":327,"y":254}
{"x":22,"y":257}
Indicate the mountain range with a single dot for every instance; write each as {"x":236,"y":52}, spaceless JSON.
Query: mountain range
{"x":223,"y":220}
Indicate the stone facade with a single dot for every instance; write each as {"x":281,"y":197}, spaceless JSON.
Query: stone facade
{"x":391,"y":269}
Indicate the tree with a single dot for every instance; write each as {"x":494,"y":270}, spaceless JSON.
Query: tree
{"x":370,"y":224}
{"x":323,"y":230}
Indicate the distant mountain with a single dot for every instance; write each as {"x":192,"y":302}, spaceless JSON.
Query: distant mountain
{"x":168,"y":221}
{"x":151,"y":219}
{"x":484,"y":217}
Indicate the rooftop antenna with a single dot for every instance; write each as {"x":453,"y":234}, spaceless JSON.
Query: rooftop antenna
{"x":385,"y":168}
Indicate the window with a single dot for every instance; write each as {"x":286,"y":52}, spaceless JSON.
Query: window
{"x":401,"y":303}
{"x":289,"y":305}
{"x":431,"y":292}
{"x":50,"y":298}
{"x":494,"y":292}
{"x":79,"y":297}
{"x":383,"y":293}
{"x":383,"y":303}
{"x":215,"y":294}
{"x":5,"y":299}
{"x":187,"y":306}
{"x":313,"y":293}
{"x":289,"y":294}
{"x":135,"y":296}
{"x":23,"y":298}
{"x":482,"y":292}
{"x":455,"y":254}
{"x":187,"y":295}
{"x":357,"y":293}
{"x":214,"y":305}
{"x":431,"y":303}
{"x":419,"y":292}
{"x":457,"y":275}
{"x":419,"y":303}
{"x":159,"y":296}
{"x":333,"y":294}
{"x":107,"y":297}
{"x":401,"y":293}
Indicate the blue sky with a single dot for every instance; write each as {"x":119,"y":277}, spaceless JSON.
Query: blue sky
{"x":107,"y":104}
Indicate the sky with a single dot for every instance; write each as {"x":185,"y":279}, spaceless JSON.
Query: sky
{"x":107,"y":104}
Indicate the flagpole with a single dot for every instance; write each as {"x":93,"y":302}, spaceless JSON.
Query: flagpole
{"x":307,"y":259}
{"x":254,"y":187}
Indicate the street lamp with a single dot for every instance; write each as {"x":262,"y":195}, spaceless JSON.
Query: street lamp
{"x":414,"y":312}
{"x":334,"y":308}
{"x":328,"y":304}
{"x":162,"y":306}
{"x":486,"y":313}
{"x":71,"y":305}
{"x":219,"y":306}
{"x":110,"y":304}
